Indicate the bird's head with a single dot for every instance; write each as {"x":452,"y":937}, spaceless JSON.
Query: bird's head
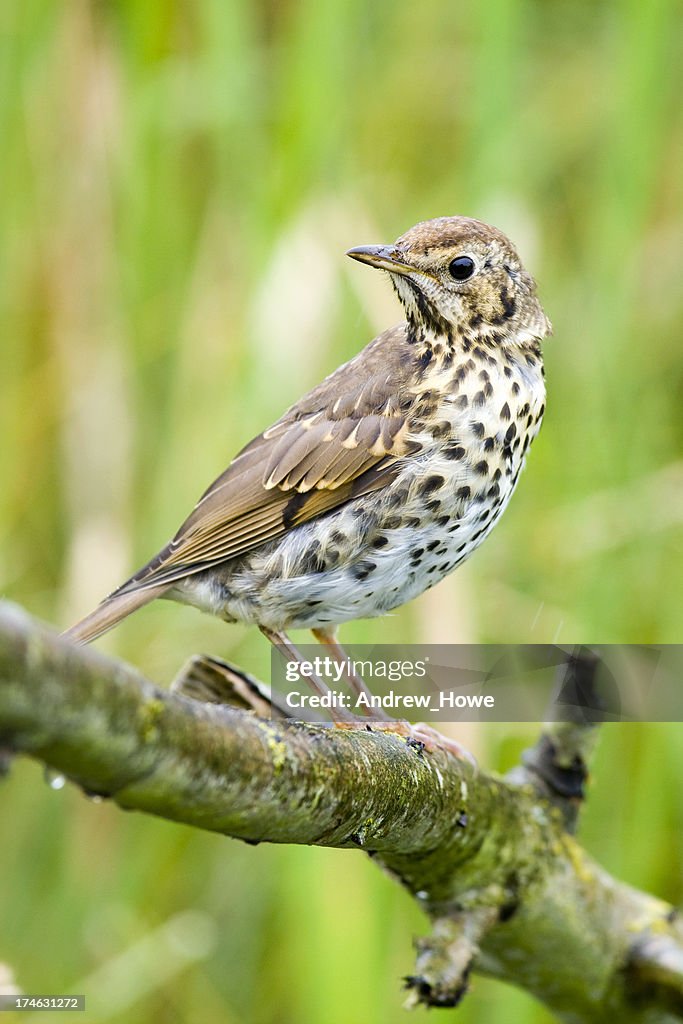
{"x":455,"y":274}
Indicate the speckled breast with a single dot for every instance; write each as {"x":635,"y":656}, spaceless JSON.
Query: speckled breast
{"x":472,"y":425}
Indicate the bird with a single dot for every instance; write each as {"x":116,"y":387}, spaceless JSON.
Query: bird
{"x":387,"y":475}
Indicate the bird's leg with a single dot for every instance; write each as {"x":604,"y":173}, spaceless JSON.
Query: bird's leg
{"x":328,"y":637}
{"x":418,"y":735}
{"x":282,"y":641}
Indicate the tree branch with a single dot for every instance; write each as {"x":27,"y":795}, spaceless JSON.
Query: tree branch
{"x":509,"y":891}
{"x":557,"y":765}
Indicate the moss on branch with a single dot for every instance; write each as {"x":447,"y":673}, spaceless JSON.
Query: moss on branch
{"x":508,"y":890}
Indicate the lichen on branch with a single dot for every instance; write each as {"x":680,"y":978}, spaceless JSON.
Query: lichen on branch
{"x":509,"y":891}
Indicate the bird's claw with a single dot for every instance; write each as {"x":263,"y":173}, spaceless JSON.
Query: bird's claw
{"x":418,"y":735}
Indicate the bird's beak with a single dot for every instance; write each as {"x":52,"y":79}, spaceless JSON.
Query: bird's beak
{"x":384,"y":257}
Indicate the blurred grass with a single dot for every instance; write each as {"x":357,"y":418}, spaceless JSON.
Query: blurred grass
{"x":180,"y":181}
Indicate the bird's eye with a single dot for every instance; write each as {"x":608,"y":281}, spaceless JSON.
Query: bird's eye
{"x":461,"y":268}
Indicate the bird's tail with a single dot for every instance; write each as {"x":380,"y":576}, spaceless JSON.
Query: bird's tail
{"x":114,"y":608}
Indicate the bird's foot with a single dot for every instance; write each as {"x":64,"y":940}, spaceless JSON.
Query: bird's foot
{"x":418,"y":735}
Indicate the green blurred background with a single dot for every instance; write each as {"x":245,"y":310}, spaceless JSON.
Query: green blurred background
{"x":179,"y":183}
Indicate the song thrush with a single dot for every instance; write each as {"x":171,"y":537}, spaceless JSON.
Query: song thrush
{"x":387,"y":475}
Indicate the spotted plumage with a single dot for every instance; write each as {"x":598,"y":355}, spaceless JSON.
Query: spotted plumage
{"x":388,"y":474}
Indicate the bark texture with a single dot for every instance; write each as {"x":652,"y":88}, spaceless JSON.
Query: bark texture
{"x":491,"y":860}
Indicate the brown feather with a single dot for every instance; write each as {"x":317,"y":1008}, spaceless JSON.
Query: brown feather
{"x":340,"y":441}
{"x":107,"y":614}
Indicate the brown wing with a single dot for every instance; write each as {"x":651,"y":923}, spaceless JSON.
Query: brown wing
{"x":342,"y":440}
